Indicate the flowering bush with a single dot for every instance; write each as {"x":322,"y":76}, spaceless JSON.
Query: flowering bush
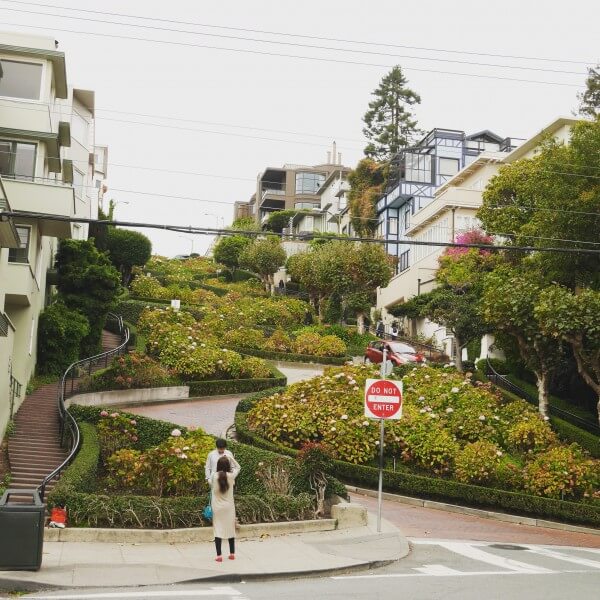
{"x":146,"y":287}
{"x":532,"y":434}
{"x":132,"y":371}
{"x":279,"y":341}
{"x":115,"y":431}
{"x":255,"y":368}
{"x":478,"y":462}
{"x":562,"y":472}
{"x":307,"y":343}
{"x":244,"y":338}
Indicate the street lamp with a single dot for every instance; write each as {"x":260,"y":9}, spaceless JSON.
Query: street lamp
{"x":190,"y":239}
{"x":217,"y":217}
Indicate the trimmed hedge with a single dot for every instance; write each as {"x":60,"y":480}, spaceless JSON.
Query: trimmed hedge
{"x":81,"y":474}
{"x":131,"y":309}
{"x":437,"y":488}
{"x":291,"y":357}
{"x":236,"y":386}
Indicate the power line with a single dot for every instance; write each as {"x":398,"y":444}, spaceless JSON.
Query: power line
{"x":294,"y":44}
{"x":4,"y":215}
{"x":304,"y":36}
{"x":296,"y":56}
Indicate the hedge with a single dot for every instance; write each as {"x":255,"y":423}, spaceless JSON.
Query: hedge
{"x":131,"y":309}
{"x":236,"y":386}
{"x":291,"y":357}
{"x":437,"y":488}
{"x":81,"y":474}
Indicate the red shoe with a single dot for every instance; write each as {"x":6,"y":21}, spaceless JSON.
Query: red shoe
{"x":219,"y":559}
{"x":232,"y":557}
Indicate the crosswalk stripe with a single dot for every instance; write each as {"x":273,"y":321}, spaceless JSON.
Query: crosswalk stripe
{"x":586,"y":562}
{"x":437,"y":570}
{"x":492,"y":559}
{"x":213,"y":591}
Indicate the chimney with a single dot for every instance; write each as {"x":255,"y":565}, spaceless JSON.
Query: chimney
{"x":334,"y":152}
{"x":339,"y":162}
{"x":329,"y":157}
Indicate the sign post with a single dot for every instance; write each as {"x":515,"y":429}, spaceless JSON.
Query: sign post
{"x":383,"y":400}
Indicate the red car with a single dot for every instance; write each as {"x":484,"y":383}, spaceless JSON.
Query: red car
{"x":398,"y":352}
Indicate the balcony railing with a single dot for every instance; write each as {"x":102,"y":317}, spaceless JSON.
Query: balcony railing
{"x":34,"y":179}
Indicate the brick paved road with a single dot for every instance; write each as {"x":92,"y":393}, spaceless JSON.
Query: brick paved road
{"x":419,"y":522}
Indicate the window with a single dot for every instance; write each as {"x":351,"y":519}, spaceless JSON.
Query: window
{"x":403,"y":261}
{"x":20,"y":254}
{"x":407,"y":211}
{"x":78,"y":181}
{"x":20,"y":79}
{"x":449,"y":166}
{"x":79,"y":128}
{"x":17,"y":160}
{"x":393,"y":226}
{"x":309,"y":183}
{"x":418,"y":168}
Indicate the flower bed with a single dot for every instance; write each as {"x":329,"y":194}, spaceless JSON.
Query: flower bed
{"x":449,"y":428}
{"x":135,"y":472}
{"x":434,"y":488}
{"x":293,"y":357}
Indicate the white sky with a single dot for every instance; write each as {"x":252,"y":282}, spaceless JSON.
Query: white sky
{"x":289,"y":94}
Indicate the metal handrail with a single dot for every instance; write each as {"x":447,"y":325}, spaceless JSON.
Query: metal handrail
{"x":66,"y":419}
{"x":505,"y":383}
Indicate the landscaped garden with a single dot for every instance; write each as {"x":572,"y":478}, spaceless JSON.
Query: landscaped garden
{"x":456,"y":440}
{"x":140,"y":473}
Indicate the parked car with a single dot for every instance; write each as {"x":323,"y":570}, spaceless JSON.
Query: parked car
{"x":397,"y":352}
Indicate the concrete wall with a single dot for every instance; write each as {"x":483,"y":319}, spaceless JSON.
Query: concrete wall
{"x":131,"y":397}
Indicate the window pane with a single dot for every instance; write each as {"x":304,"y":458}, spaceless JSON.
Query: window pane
{"x":79,"y":128}
{"x":5,"y":157}
{"x":78,"y":181}
{"x":308,"y":183}
{"x":20,"y":254}
{"x":20,"y":79}
{"x":24,"y":161}
{"x":448,"y":166}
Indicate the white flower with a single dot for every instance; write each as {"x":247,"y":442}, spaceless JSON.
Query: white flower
{"x":190,"y":337}
{"x":449,"y":410}
{"x":176,"y":433}
{"x":183,"y":455}
{"x":421,"y":398}
{"x":498,"y":453}
{"x":219,"y":362}
{"x":355,"y":388}
{"x":422,"y":410}
{"x":186,"y":447}
{"x":482,"y":417}
{"x":427,"y":377}
{"x":454,"y":390}
{"x":344,"y":417}
{"x":332,"y":429}
{"x":365,"y":423}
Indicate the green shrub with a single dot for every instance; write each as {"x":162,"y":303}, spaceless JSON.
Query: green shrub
{"x":293,"y":357}
{"x":115,"y":431}
{"x":531,"y":435}
{"x":60,"y":334}
{"x":245,"y":404}
{"x":572,"y":434}
{"x":477,"y":462}
{"x":279,"y":341}
{"x":233,"y":386}
{"x":499,"y":365}
{"x":81,"y":474}
{"x":250,"y":338}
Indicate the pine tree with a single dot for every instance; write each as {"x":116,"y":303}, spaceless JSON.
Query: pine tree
{"x":390,"y":122}
{"x":589,"y":101}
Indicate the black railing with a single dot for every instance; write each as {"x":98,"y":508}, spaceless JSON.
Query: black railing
{"x":69,"y":430}
{"x":505,"y":383}
{"x":430,"y":352}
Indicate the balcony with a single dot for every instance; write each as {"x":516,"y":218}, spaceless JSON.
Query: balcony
{"x":43,"y":196}
{"x":8,"y":233}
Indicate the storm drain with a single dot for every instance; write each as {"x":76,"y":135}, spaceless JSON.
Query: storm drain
{"x":507,"y":547}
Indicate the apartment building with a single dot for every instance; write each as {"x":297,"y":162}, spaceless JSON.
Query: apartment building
{"x":289,"y":187}
{"x":451,"y":210}
{"x":47,"y":166}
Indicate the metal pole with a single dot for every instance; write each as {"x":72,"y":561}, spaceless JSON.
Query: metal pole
{"x":381,"y":436}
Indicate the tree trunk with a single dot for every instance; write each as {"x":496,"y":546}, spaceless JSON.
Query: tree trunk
{"x":542,"y":386}
{"x":458,"y":354}
{"x":320,"y":309}
{"x":586,"y":374}
{"x":360,"y":323}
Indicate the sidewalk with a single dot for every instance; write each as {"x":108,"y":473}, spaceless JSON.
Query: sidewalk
{"x":99,"y":564}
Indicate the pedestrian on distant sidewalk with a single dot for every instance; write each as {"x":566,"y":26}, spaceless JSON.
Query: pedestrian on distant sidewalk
{"x":223,"y":506}
{"x":213,"y":458}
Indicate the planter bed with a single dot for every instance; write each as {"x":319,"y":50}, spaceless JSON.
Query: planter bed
{"x":292,"y":357}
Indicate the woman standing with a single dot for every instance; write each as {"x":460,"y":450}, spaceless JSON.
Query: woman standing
{"x":223,"y":506}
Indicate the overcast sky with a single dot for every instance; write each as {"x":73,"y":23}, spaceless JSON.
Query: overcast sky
{"x":239,"y":95}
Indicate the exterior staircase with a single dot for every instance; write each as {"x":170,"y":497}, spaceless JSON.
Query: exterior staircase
{"x":34,"y":448}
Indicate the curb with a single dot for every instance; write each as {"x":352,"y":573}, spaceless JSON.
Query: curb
{"x":476,"y":512}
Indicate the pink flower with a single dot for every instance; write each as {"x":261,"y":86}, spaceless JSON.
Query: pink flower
{"x":133,"y":422}
{"x":176,"y":433}
{"x":104,"y":413}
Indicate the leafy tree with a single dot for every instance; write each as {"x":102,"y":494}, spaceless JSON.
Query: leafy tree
{"x":508,"y":304}
{"x":263,"y":257}
{"x":574,"y":319}
{"x":99,"y":232}
{"x":61,"y":331}
{"x":366,"y":185}
{"x":390,"y":122}
{"x":245,"y":224}
{"x":127,"y":249}
{"x":280,"y":219}
{"x":228,"y":249}
{"x":552,"y":197}
{"x":87,"y":282}
{"x":589,"y":101}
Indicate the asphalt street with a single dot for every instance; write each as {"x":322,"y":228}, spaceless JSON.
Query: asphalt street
{"x":447,"y":569}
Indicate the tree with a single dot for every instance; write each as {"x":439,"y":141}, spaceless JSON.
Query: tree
{"x":366,"y":186}
{"x":98,"y":231}
{"x":552,"y":197}
{"x":127,"y":249}
{"x":280,"y":219}
{"x":245,"y":224}
{"x":263,"y":257}
{"x":574,"y":319}
{"x":508,"y":304}
{"x":389,"y":122}
{"x":589,"y":101}
{"x":228,"y":249}
{"x":87,"y":282}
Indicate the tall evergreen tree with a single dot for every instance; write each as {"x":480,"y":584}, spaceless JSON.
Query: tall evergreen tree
{"x":589,"y":101}
{"x":390,"y":122}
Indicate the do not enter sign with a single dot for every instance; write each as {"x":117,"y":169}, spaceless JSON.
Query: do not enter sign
{"x":383,"y":399}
